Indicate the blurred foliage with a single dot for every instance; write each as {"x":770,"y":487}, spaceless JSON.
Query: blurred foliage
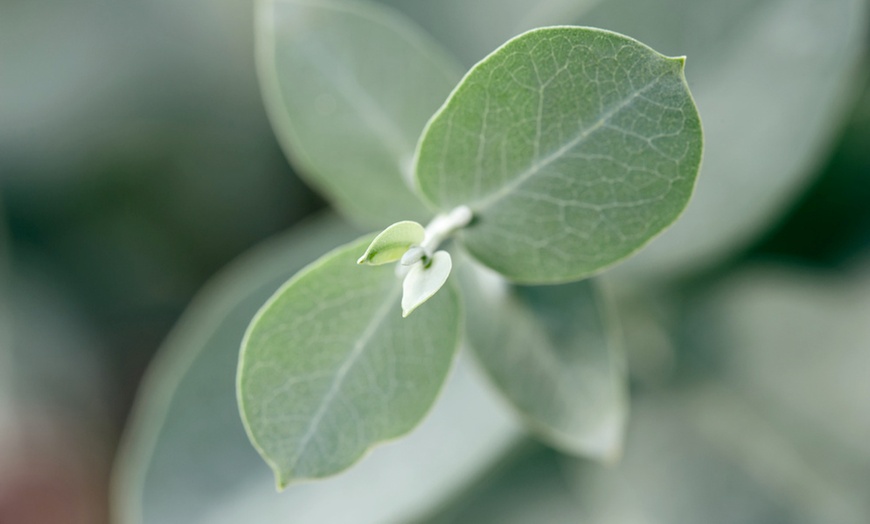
{"x":830,"y":224}
{"x":136,"y":160}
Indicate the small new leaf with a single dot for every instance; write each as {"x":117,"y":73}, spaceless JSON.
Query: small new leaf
{"x":423,"y":281}
{"x":392,"y":243}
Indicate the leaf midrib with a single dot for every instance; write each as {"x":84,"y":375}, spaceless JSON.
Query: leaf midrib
{"x":338,"y":379}
{"x":488,"y":201}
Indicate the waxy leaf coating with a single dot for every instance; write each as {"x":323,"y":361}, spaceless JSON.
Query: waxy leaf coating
{"x":329,"y":367}
{"x":392,"y":243}
{"x":572,"y":146}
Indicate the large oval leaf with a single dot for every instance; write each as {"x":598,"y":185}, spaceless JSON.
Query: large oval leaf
{"x":573,"y":147}
{"x":349,"y":87}
{"x":552,"y":351}
{"x":330,"y":368}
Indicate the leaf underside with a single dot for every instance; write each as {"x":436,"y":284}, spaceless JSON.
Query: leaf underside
{"x":349,"y":87}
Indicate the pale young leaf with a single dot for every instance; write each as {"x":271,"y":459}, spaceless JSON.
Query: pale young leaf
{"x":423,"y":281}
{"x":392,"y":243}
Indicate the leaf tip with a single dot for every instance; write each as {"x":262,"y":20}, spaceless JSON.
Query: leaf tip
{"x":281,"y":482}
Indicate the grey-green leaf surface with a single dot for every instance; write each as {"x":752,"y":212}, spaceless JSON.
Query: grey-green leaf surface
{"x":572,"y":146}
{"x":772,"y":80}
{"x":186,"y":458}
{"x":554,"y":352}
{"x":329,"y":367}
{"x":392,"y":243}
{"x":349,"y":87}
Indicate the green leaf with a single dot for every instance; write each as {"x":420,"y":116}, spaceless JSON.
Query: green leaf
{"x":423,"y":281}
{"x":329,"y":367}
{"x":779,"y":330}
{"x":553,"y":352}
{"x":572,"y":146}
{"x":774,"y":81}
{"x":392,"y":243}
{"x":349,"y":87}
{"x":185,"y":455}
{"x":470,"y":30}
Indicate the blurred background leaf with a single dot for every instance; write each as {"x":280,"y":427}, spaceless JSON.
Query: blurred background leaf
{"x":136,"y":159}
{"x":136,"y":156}
{"x":555,"y":352}
{"x":769,"y":420}
{"x":774,"y":81}
{"x":55,"y":445}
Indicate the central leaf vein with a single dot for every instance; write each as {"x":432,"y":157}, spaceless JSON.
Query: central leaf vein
{"x":540,"y":164}
{"x":340,"y":375}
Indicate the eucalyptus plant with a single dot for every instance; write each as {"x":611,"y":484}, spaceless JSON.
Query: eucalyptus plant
{"x":738,"y":400}
{"x":558,"y":155}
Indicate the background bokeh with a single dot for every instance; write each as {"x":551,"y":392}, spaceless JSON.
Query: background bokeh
{"x":136,"y":160}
